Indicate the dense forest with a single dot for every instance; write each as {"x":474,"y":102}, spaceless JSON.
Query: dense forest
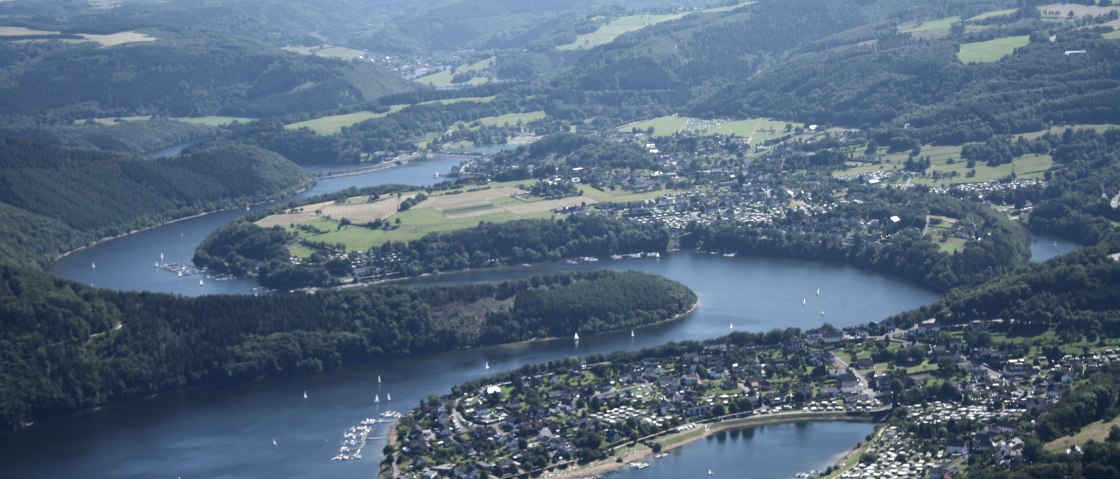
{"x":180,"y":76}
{"x":54,"y":199}
{"x":67,"y":347}
{"x":1075,"y":293}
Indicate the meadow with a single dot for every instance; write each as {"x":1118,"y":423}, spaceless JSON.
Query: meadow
{"x":991,"y":50}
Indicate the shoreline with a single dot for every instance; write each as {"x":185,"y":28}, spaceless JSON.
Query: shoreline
{"x":640,"y":451}
{"x":107,"y":239}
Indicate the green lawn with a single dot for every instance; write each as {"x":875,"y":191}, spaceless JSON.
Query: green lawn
{"x":991,"y":50}
{"x":213,"y":120}
{"x":1058,"y":129}
{"x":1113,"y":35}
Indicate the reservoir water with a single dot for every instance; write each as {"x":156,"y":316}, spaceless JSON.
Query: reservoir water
{"x":229,"y":432}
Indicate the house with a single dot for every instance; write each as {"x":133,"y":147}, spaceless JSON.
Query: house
{"x":956,"y":447}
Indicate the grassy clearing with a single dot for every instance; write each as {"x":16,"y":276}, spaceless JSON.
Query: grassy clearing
{"x":1113,"y":35}
{"x":931,"y":25}
{"x":1058,"y":129}
{"x":452,"y":101}
{"x":119,"y":38}
{"x":328,"y":51}
{"x":1025,"y":167}
{"x":333,"y":124}
{"x":511,"y":118}
{"x":213,"y":120}
{"x":1061,"y":10}
{"x":621,"y":195}
{"x":995,"y":13}
{"x":615,"y":28}
{"x":991,"y":50}
{"x":664,"y":126}
{"x":1097,"y":431}
{"x":23,"y":32}
{"x":443,"y":78}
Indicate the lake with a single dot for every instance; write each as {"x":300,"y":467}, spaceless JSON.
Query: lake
{"x":229,"y":432}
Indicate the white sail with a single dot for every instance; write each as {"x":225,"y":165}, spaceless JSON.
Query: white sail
{"x":305,"y":394}
{"x":388,"y":397}
{"x":487,"y":364}
{"x":376,"y":398}
{"x":576,"y":337}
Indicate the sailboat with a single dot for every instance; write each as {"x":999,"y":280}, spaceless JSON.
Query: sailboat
{"x":730,"y":325}
{"x":376,"y":398}
{"x":274,"y":442}
{"x":378,"y":379}
{"x":818,"y":291}
{"x":822,"y":313}
{"x":161,"y":256}
{"x":710,"y":472}
{"x":576,"y":338}
{"x":803,"y":301}
{"x":388,"y":397}
{"x":487,"y":364}
{"x":200,"y":283}
{"x":93,"y":264}
{"x":157,"y":264}
{"x":305,"y":394}
{"x":631,"y":333}
{"x":180,"y":274}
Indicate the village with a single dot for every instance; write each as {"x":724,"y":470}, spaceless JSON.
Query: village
{"x":944,"y":395}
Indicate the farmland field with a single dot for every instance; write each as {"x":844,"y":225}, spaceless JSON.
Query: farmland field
{"x":991,"y":50}
{"x":665,"y":125}
{"x":327,"y":51}
{"x":996,"y":13}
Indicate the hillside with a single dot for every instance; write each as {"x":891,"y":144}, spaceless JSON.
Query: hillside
{"x":83,"y":195}
{"x":68,"y":347}
{"x":180,"y":76}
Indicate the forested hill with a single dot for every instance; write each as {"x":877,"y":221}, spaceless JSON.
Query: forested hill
{"x":53,"y":199}
{"x":1077,"y":294}
{"x":180,"y":76}
{"x":67,"y":347}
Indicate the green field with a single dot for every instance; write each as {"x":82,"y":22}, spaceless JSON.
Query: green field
{"x":1113,"y":35}
{"x":621,"y":195}
{"x":991,"y":50}
{"x":1025,"y":167}
{"x":443,"y":78}
{"x":615,"y":28}
{"x":939,"y":24}
{"x":995,"y":13}
{"x":213,"y":120}
{"x":328,"y":51}
{"x":664,"y":126}
{"x":333,"y":124}
{"x":1058,"y":129}
{"x":511,"y":118}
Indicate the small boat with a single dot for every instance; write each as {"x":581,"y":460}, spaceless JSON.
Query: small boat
{"x":93,"y":264}
{"x":822,"y":313}
{"x":388,"y":397}
{"x":710,"y":473}
{"x":730,"y":325}
{"x":803,"y":301}
{"x":576,"y":338}
{"x":631,"y":333}
{"x":437,"y":175}
{"x":157,"y":264}
{"x":180,"y":274}
{"x":274,"y":442}
{"x":378,"y":379}
{"x":305,"y":394}
{"x":818,"y":291}
{"x":200,"y":283}
{"x":487,"y":364}
{"x":376,"y":398}
{"x":161,"y":256}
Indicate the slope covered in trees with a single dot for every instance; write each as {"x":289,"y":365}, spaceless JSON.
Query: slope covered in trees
{"x":82,"y":195}
{"x":66,"y":347}
{"x":181,"y":76}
